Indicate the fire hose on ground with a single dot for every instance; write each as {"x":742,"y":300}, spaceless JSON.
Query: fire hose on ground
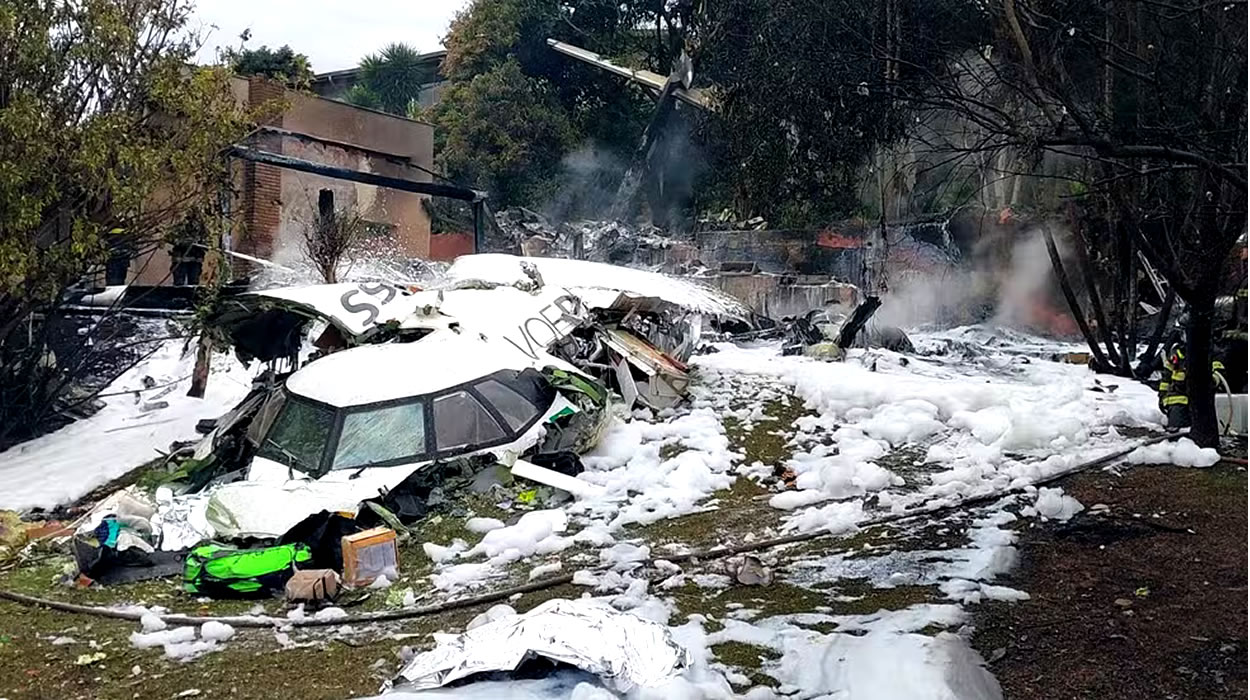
{"x":259,"y":621}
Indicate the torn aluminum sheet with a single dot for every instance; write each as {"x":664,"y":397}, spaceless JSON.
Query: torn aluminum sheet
{"x":590,"y":281}
{"x":624,"y":650}
{"x":534,"y":304}
{"x":272,"y":324}
{"x":625,"y":380}
{"x":354,"y":308}
{"x":529,"y":321}
{"x":670,"y":328}
{"x":666,"y":379}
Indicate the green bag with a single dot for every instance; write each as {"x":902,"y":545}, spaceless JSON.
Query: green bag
{"x":224,"y":572}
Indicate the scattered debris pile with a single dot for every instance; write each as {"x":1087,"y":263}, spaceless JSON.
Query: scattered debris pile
{"x":531,"y":234}
{"x":380,"y":402}
{"x":826,"y":335}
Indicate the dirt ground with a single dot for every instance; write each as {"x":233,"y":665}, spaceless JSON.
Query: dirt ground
{"x":1145,"y":601}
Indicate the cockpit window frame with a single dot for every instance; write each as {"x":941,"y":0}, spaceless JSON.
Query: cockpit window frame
{"x":529,"y":384}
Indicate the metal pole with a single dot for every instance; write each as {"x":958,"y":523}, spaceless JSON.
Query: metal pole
{"x":479,"y":233}
{"x":282,"y":161}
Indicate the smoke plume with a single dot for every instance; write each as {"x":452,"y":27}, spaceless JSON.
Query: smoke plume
{"x":1006,"y":281}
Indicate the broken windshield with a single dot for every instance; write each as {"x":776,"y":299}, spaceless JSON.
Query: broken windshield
{"x":379,"y":435}
{"x":298,"y":437}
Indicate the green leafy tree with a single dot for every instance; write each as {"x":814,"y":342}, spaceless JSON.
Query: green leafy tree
{"x":107,"y":136}
{"x":504,"y":132}
{"x":509,"y":37}
{"x":391,"y":80}
{"x":283,"y":65}
{"x":801,"y":88}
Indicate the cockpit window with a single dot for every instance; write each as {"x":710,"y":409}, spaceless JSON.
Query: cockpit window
{"x":298,"y":437}
{"x":460,"y":420}
{"x":379,"y":435}
{"x":516,"y":410}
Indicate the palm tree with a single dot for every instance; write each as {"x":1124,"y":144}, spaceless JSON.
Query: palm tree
{"x":390,"y":80}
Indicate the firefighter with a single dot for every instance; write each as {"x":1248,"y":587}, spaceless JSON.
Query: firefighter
{"x":1173,"y":390}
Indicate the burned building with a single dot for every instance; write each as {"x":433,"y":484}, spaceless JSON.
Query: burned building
{"x":269,"y":206}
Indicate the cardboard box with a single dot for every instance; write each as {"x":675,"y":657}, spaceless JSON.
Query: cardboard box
{"x":312,"y":584}
{"x":1072,"y":358}
{"x":369,"y":554}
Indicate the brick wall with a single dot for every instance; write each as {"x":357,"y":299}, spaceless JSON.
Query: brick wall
{"x":262,"y":184}
{"x":262,"y":202}
{"x":274,"y":205}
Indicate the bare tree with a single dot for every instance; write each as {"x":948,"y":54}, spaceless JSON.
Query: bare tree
{"x":328,"y":241}
{"x":1143,"y":106}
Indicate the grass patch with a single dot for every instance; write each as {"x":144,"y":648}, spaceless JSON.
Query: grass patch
{"x":749,"y":660}
{"x":670,"y":450}
{"x":1220,"y":481}
{"x":908,"y":461}
{"x":250,"y":665}
{"x":870,"y":599}
{"x":743,"y":656}
{"x":737,"y":512}
{"x":529,"y":601}
{"x":765,"y":441}
{"x":777,"y":598}
{"x":43,"y":579}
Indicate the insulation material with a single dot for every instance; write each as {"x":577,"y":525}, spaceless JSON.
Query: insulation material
{"x":267,"y":510}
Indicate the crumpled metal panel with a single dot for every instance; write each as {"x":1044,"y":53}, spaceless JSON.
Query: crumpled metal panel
{"x":624,"y":650}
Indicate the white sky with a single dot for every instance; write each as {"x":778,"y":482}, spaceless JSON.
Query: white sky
{"x":334,"y":34}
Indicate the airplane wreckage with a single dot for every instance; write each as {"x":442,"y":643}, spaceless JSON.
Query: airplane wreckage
{"x":377,"y":397}
{"x":510,"y":361}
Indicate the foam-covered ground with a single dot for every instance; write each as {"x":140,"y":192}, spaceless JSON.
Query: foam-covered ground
{"x":874,"y":613}
{"x":984,"y":411}
{"x":134,"y":425}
